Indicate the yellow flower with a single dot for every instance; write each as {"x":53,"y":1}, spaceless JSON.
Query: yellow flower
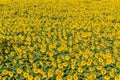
{"x":98,"y":47}
{"x":4,"y":72}
{"x":4,"y":78}
{"x":69,"y":77}
{"x":34,"y":38}
{"x":89,"y":77}
{"x":83,"y":63}
{"x":44,"y":75}
{"x":43,"y":49}
{"x":118,"y":58}
{"x":25,"y":74}
{"x":50,"y":73}
{"x":61,"y":48}
{"x":108,"y":61}
{"x":50,"y":47}
{"x":41,"y":63}
{"x":25,"y":56}
{"x":34,"y":65}
{"x":91,"y":69}
{"x":79,"y":64}
{"x":10,"y":73}
{"x":14,"y":61}
{"x":96,"y":55}
{"x":67,"y":57}
{"x":99,"y":67}
{"x":77,"y":55}
{"x":30,"y":56}
{"x":37,"y":78}
{"x":20,"y":61}
{"x":95,"y":62}
{"x":100,"y":59}
{"x":113,"y":70}
{"x":89,"y":63}
{"x":52,"y":58}
{"x":31,"y":60}
{"x":58,"y":60}
{"x":75,"y":77}
{"x":40,"y":71}
{"x":73,"y":66}
{"x":28,"y":38}
{"x":73,"y":61}
{"x":19,"y":71}
{"x":85,"y":55}
{"x":36,"y":71}
{"x":6,"y":51}
{"x":106,"y":77}
{"x":80,"y":70}
{"x":65,"y":64}
{"x":93,"y":76}
{"x":30,"y":77}
{"x":111,"y":74}
{"x":60,"y":66}
{"x":53,"y":64}
{"x":108,"y":55}
{"x":103,"y":71}
{"x":51,"y":54}
{"x":113,"y":61}
{"x":86,"y":75}
{"x":59,"y":78}
{"x":73,"y":55}
{"x":59,"y":72}
{"x":92,"y":47}
{"x":117,"y":77}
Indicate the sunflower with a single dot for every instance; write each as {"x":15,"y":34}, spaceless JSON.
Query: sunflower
{"x":10,"y":73}
{"x":60,"y":66}
{"x":69,"y":77}
{"x":50,"y":74}
{"x":106,"y":77}
{"x":67,"y":58}
{"x":59,"y":78}
{"x":36,"y":71}
{"x":117,"y":77}
{"x":37,"y":78}
{"x":25,"y":74}
{"x":80,"y":70}
{"x":19,"y":71}
{"x":4,"y":72}
{"x":65,"y":64}
{"x":103,"y":71}
{"x":30,"y":77}
{"x":99,"y":67}
{"x":75,"y":77}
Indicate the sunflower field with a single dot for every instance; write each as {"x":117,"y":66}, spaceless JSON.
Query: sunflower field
{"x":59,"y":39}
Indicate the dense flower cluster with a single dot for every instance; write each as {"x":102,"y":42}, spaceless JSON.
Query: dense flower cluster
{"x":59,"y":40}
